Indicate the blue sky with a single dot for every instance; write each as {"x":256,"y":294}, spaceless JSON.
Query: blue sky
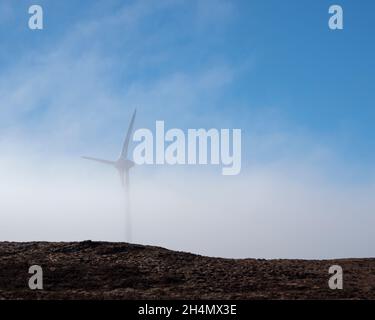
{"x":302,"y":94}
{"x":262,"y":59}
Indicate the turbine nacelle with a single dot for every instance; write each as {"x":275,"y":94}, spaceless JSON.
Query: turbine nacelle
{"x":124,"y":164}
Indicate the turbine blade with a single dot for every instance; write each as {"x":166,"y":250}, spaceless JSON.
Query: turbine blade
{"x":100,"y":160}
{"x":124,"y":151}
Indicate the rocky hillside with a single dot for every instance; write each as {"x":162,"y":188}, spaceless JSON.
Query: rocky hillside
{"x":101,"y":270}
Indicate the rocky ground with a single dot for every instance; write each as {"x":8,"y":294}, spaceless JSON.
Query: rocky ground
{"x":100,"y":270}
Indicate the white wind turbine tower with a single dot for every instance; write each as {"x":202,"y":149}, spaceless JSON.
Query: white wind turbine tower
{"x":123,"y":165}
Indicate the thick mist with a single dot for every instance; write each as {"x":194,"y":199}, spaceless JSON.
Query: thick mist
{"x":267,"y":212}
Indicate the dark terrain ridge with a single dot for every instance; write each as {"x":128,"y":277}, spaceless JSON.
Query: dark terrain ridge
{"x":103,"y":270}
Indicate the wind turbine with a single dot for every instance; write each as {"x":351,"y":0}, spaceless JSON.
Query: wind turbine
{"x":123,"y":165}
